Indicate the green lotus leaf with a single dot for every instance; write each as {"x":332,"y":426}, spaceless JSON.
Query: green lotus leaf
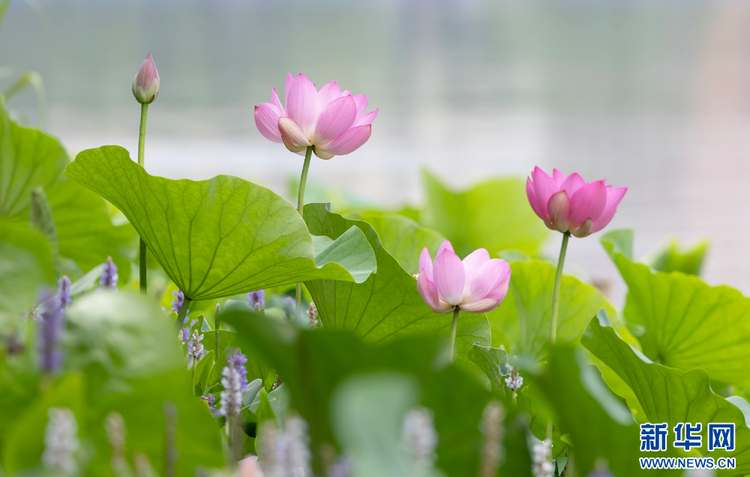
{"x":403,"y":238}
{"x":686,"y":323}
{"x":493,"y":362}
{"x":596,"y":424}
{"x":387,"y":305}
{"x":222,"y":236}
{"x":28,"y":159}
{"x":31,"y":159}
{"x":667,"y":394}
{"x":522,"y":322}
{"x":674,"y":258}
{"x":25,"y":265}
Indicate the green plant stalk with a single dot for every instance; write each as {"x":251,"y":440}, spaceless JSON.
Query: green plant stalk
{"x":217,"y":324}
{"x":183,"y":312}
{"x":195,"y":362}
{"x":233,"y":435}
{"x":170,"y":436}
{"x":300,"y":207}
{"x":454,"y":327}
{"x":556,"y":291}
{"x":142,"y":250}
{"x":556,"y":304}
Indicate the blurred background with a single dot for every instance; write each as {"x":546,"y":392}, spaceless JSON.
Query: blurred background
{"x":653,"y":95}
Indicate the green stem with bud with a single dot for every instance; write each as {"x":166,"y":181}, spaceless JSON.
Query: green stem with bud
{"x":195,"y":363}
{"x":300,"y":207}
{"x":142,"y":248}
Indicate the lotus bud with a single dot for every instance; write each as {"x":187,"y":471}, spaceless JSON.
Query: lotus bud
{"x":146,"y":82}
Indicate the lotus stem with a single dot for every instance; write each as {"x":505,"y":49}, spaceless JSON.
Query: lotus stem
{"x":556,"y":291}
{"x":142,"y":248}
{"x":300,"y":207}
{"x":454,"y":327}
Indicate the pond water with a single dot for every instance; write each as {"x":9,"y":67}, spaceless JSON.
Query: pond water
{"x":652,"y":95}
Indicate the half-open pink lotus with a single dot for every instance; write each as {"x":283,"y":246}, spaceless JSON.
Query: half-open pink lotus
{"x":570,"y":204}
{"x":477,"y":284}
{"x":333,"y":122}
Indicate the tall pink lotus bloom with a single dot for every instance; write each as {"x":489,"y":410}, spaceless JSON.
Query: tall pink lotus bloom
{"x":476,"y":284}
{"x":570,"y":204}
{"x":332,"y":121}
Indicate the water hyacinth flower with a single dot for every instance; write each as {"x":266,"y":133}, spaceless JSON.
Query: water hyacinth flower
{"x":570,"y":204}
{"x":257,"y":299}
{"x":541,"y":454}
{"x":108,"y":280}
{"x":287,"y":452}
{"x":50,"y":334}
{"x":195,"y":347}
{"x":514,"y":381}
{"x":61,"y":441}
{"x":333,"y":122}
{"x":477,"y":284}
{"x":63,"y":292}
{"x":420,"y":438}
{"x":146,"y":82}
{"x":185,"y":331}
{"x":210,"y":401}
{"x":492,"y":431}
{"x":231,"y":396}
{"x":114,"y":424}
{"x":179,"y":299}
{"x":238,"y":361}
{"x":288,"y":306}
{"x":312,"y":313}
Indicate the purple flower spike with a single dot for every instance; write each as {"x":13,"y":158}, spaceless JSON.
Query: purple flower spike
{"x":195,"y":348}
{"x":179,"y":299}
{"x":50,"y":334}
{"x":186,"y":328}
{"x":238,"y":361}
{"x":257,"y":299}
{"x":231,"y":396}
{"x":63,"y":292}
{"x":108,"y":281}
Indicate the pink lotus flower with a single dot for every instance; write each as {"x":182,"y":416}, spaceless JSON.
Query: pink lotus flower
{"x":146,"y":82}
{"x":477,"y":284}
{"x":333,"y":122}
{"x":569,"y":204}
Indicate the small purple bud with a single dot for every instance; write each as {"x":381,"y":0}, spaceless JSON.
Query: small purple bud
{"x":238,"y":360}
{"x":289,"y":306}
{"x":50,"y":334}
{"x":108,"y":281}
{"x":146,"y":82}
{"x":257,"y":299}
{"x":63,"y":292}
{"x":179,"y":299}
{"x":210,"y":400}
{"x":186,"y":328}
